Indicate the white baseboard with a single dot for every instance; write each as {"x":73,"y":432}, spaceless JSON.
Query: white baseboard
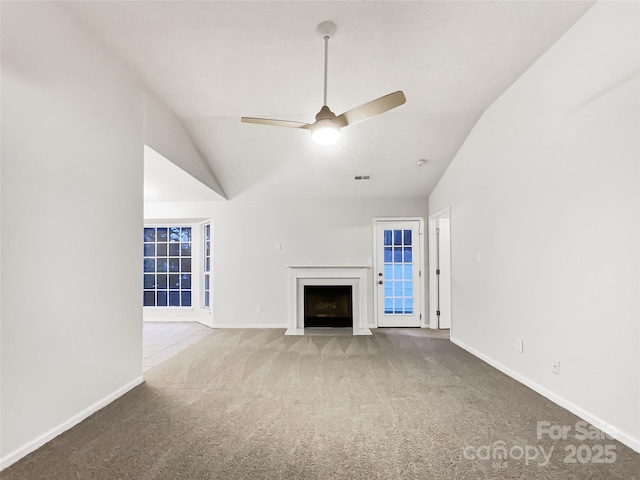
{"x":362,"y":331}
{"x":169,"y":319}
{"x":250,"y":325}
{"x":202,"y":321}
{"x":206,"y":323}
{"x":294,"y":331}
{"x":40,"y":440}
{"x":612,"y":431}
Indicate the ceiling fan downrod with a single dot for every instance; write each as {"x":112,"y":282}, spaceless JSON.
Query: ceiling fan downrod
{"x":326,"y":29}
{"x":325,"y":131}
{"x":326,"y":66}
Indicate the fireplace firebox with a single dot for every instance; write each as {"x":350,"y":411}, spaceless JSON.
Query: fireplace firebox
{"x":328,"y":306}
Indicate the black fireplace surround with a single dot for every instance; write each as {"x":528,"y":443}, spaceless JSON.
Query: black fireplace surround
{"x":328,"y":306}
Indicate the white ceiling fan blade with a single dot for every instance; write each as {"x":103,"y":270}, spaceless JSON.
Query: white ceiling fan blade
{"x":371,"y":109}
{"x":275,"y":123}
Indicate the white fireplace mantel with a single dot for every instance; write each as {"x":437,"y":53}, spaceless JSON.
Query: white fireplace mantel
{"x":354,"y":275}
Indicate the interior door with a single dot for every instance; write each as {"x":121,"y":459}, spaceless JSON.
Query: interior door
{"x":398,"y":273}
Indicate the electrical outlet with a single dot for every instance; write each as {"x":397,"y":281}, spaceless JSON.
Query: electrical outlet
{"x":478,"y":257}
{"x":555,"y":367}
{"x":519,"y":345}
{"x":259,"y":309}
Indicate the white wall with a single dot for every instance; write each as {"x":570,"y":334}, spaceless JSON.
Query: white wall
{"x":546,"y":189}
{"x":72,"y":167}
{"x":165,"y":134}
{"x":249,"y":271}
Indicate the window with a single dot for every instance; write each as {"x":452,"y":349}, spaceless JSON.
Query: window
{"x":207,"y":264}
{"x":167,"y":267}
{"x":398,"y":272}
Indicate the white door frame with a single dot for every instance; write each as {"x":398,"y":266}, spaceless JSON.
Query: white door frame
{"x":382,"y":220}
{"x":433,"y":300}
{"x":207,"y":315}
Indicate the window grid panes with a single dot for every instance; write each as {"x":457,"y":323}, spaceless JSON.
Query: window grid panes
{"x":207,"y":265}
{"x":167,"y":267}
{"x":398,"y":272}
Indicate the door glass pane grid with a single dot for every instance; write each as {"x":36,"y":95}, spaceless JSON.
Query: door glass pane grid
{"x":398,"y":272}
{"x":207,"y":265}
{"x":167,"y":267}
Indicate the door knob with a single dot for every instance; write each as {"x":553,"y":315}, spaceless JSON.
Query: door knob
{"x":379,"y":282}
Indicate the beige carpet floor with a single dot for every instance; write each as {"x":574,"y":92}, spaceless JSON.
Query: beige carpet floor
{"x":254,"y":404}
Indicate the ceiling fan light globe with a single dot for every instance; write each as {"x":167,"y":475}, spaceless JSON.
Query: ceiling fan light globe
{"x":325,"y":133}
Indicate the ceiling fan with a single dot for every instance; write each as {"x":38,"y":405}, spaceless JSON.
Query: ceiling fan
{"x":326,"y":129}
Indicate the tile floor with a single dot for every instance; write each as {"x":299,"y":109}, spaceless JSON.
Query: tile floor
{"x":162,"y":340}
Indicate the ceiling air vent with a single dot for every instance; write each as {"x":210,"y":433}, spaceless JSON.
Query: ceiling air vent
{"x":362,"y":177}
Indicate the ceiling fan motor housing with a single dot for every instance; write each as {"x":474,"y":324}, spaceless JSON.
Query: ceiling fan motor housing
{"x":325,"y":131}
{"x":325,"y":114}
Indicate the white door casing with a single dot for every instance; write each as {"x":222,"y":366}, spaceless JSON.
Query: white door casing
{"x":440,"y":269}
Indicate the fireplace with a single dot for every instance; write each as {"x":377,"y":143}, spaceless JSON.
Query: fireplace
{"x":356,"y":278}
{"x":328,"y":306}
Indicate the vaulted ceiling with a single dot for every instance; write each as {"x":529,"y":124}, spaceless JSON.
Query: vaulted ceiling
{"x":212,"y":62}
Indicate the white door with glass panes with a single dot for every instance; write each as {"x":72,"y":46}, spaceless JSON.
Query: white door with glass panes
{"x":397,"y":278}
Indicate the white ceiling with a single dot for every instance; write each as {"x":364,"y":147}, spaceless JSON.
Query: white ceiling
{"x":213,"y":62}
